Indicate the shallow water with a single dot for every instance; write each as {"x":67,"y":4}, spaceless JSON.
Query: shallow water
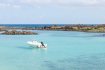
{"x":66,"y":51}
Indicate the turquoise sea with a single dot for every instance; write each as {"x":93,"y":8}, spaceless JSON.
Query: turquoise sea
{"x":66,"y":51}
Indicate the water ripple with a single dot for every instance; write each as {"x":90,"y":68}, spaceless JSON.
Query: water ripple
{"x":83,"y":62}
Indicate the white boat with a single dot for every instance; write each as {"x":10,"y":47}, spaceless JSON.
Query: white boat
{"x":36,"y":44}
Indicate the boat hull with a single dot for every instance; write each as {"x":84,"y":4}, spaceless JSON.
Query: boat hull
{"x":36,"y":44}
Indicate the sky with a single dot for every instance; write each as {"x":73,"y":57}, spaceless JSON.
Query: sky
{"x":52,"y":11}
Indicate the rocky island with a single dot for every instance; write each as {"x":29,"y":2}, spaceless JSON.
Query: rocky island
{"x":11,"y":31}
{"x":99,"y":28}
{"x":14,"y":32}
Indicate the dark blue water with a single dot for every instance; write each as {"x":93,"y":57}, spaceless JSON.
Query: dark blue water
{"x":31,"y":25}
{"x":39,"y":25}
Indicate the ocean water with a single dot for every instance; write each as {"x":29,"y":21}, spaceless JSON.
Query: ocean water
{"x":38,"y":25}
{"x":30,"y":25}
{"x":66,"y":51}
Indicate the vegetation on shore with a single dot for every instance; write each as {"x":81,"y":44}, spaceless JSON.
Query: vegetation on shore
{"x":76,"y":27}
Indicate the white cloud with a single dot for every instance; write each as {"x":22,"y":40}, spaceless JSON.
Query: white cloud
{"x":16,"y":6}
{"x":18,"y":3}
{"x":65,"y":2}
{"x":89,"y":2}
{"x":4,"y":5}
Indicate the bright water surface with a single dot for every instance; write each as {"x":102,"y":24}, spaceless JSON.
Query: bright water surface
{"x":66,"y":51}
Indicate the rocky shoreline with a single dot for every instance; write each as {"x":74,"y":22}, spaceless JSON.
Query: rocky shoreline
{"x":14,"y":32}
{"x":100,"y":28}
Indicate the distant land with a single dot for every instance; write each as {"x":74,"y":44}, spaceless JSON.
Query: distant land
{"x":12,"y":28}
